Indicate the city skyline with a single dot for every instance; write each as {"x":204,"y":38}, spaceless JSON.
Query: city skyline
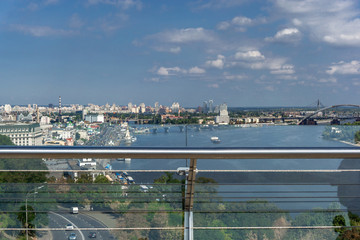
{"x":244,"y":53}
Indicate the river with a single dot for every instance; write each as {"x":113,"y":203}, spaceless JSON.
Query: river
{"x":320,"y":188}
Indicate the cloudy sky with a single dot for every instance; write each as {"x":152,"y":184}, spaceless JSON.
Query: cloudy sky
{"x":242,"y":52}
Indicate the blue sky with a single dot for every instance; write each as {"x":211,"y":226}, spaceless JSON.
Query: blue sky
{"x":242,"y":52}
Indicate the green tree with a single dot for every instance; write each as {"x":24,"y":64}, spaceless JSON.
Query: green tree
{"x":77,"y":136}
{"x":357,"y":137}
{"x":101,"y":179}
{"x":339,"y":220}
{"x":5,"y":140}
{"x":21,"y":216}
{"x":85,"y":178}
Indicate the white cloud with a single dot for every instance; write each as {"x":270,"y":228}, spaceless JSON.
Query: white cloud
{"x":220,"y":3}
{"x":287,"y":77}
{"x":218,"y":63}
{"x":33,"y":6}
{"x":342,"y":67}
{"x":164,"y":71}
{"x":154,"y":79}
{"x":284,"y":69}
{"x":175,"y":49}
{"x":251,"y":55}
{"x":110,"y":23}
{"x":213,"y":85}
{"x":223,"y":25}
{"x":239,"y":23}
{"x":36,"y":6}
{"x":253,"y":59}
{"x":328,"y":80}
{"x":124,"y":4}
{"x":270,"y":88}
{"x":168,"y":49}
{"x":75,"y":21}
{"x":185,"y":35}
{"x":196,"y":70}
{"x":287,"y":35}
{"x":229,"y":76}
{"x":49,"y":2}
{"x":296,"y":22}
{"x":169,"y":71}
{"x":41,"y":31}
{"x":336,"y":22}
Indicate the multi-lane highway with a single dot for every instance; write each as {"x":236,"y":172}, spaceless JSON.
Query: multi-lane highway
{"x":60,"y":220}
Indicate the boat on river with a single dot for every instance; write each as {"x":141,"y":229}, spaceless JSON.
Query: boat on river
{"x":215,"y":139}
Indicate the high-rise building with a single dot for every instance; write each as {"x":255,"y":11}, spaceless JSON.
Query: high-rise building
{"x":157,"y":107}
{"x":60,"y":109}
{"x":211,"y":106}
{"x":175,"y":107}
{"x":142,"y":107}
{"x":7,"y":108}
{"x":223,"y":118}
{"x":130,"y":106}
{"x":205,"y":107}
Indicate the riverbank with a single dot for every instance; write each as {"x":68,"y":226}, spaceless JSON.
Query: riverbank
{"x":349,"y":143}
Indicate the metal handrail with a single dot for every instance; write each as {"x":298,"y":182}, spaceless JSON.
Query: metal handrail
{"x":177,"y":153}
{"x":187,"y":153}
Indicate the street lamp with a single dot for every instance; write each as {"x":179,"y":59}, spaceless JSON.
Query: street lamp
{"x":26,"y":209}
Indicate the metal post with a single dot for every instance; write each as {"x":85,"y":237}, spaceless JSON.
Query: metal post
{"x":26,"y":209}
{"x":26,"y":219}
{"x":186,"y":141}
{"x":189,"y":201}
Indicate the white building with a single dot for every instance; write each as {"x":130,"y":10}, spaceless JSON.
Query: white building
{"x":7,"y":108}
{"x":94,"y":118}
{"x":87,"y":162}
{"x":223,"y":118}
{"x":23,"y":134}
{"x":142,"y":107}
{"x":44,"y":120}
{"x":175,"y":107}
{"x":62,"y":134}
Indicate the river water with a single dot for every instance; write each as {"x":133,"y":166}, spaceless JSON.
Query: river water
{"x":311,"y":190}
{"x":266,"y":136}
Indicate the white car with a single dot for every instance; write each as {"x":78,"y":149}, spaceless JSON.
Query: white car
{"x":72,"y":236}
{"x":69,"y":227}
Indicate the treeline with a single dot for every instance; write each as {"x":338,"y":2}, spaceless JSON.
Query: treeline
{"x":344,"y":133}
{"x":16,"y":187}
{"x":162,"y":206}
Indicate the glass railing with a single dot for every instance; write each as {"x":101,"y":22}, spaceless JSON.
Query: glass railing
{"x":303,"y":183}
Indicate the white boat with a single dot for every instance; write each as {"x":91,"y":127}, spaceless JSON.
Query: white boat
{"x":127,"y":137}
{"x":215,"y":139}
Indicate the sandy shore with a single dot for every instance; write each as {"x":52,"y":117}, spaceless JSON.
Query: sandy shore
{"x":349,"y":143}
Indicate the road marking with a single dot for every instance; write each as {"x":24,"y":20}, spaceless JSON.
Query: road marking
{"x":82,"y":235}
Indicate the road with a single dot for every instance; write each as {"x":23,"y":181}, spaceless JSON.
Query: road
{"x":78,"y":221}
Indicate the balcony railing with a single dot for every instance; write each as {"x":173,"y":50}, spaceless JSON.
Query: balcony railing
{"x":273,"y":195}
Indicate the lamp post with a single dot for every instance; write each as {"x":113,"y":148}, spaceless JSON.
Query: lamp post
{"x":26,"y":208}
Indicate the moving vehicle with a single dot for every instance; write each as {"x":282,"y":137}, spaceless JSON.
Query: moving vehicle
{"x":69,"y":227}
{"x":92,"y":235}
{"x":144,"y":188}
{"x":74,"y":210}
{"x":72,"y":236}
